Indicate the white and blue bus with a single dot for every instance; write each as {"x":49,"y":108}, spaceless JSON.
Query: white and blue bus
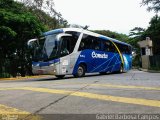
{"x":77,"y":51}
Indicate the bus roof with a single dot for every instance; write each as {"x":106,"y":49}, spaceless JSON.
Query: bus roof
{"x":114,"y":40}
{"x":94,"y":34}
{"x":55,"y":31}
{"x":61,"y":30}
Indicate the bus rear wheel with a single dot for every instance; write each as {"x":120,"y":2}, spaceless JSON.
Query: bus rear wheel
{"x":60,"y":76}
{"x":80,"y":71}
{"x":121,"y":69}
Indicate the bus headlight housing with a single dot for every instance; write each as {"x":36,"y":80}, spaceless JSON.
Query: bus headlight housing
{"x":51,"y":65}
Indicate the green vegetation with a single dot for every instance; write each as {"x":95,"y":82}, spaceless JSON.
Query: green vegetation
{"x":153,"y":31}
{"x":152,"y":5}
{"x":138,"y":34}
{"x":111,"y":34}
{"x":18,"y":24}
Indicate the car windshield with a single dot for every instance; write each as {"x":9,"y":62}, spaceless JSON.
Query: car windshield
{"x":45,"y":48}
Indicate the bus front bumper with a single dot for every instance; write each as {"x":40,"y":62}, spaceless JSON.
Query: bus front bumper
{"x":44,"y":70}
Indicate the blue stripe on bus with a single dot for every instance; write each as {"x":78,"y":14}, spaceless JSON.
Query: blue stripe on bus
{"x":53,"y":32}
{"x":42,"y":64}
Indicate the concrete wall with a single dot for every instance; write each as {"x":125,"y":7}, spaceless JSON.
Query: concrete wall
{"x":145,"y":43}
{"x":145,"y":62}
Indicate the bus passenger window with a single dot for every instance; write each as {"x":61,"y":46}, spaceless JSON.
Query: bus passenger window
{"x":96,"y":44}
{"x":108,"y":46}
{"x":90,"y":42}
{"x":129,"y":50}
{"x":124,"y":49}
{"x":86,"y":42}
{"x":64,"y":46}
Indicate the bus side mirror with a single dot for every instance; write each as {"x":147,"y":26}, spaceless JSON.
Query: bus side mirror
{"x":30,"y":43}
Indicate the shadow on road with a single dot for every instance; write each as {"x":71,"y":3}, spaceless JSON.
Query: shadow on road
{"x":72,"y":77}
{"x":57,"y":79}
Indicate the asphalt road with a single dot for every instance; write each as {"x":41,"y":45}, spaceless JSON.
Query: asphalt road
{"x":92,"y":97}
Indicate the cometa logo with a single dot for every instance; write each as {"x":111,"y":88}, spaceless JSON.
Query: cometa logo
{"x":97,"y":55}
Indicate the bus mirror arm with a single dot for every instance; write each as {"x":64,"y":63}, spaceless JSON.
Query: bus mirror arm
{"x":31,"y":40}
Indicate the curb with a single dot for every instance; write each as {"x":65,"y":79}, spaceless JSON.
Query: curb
{"x":146,"y":70}
{"x":27,"y":77}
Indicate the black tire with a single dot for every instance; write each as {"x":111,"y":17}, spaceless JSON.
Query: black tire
{"x":121,"y":69}
{"x":102,"y":73}
{"x":80,"y":71}
{"x":60,"y":76}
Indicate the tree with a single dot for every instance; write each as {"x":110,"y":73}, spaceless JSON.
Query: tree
{"x":153,"y":31}
{"x":17,"y":25}
{"x":136,"y":32}
{"x":7,"y":35}
{"x":45,"y":12}
{"x":45,"y":5}
{"x":136,"y":35}
{"x":152,"y":5}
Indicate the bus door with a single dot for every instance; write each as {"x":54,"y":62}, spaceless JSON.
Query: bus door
{"x":63,"y":67}
{"x":68,"y":42}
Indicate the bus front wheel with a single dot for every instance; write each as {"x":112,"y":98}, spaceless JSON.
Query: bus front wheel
{"x":80,"y":71}
{"x":60,"y":76}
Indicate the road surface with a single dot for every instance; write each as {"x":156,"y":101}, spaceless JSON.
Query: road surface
{"x":95,"y":96}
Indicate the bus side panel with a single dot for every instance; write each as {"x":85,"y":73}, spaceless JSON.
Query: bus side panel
{"x":67,"y":63}
{"x":98,"y":61}
{"x":64,"y":65}
{"x":116,"y":62}
{"x":73,"y":60}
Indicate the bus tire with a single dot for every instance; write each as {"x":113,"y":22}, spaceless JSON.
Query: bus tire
{"x":121,"y":69}
{"x":102,"y":73}
{"x":80,"y":71}
{"x":60,"y":76}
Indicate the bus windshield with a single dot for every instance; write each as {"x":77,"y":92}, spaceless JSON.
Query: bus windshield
{"x":45,"y":48}
{"x":50,"y":48}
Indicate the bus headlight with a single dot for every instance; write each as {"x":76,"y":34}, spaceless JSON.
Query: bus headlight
{"x":51,"y":65}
